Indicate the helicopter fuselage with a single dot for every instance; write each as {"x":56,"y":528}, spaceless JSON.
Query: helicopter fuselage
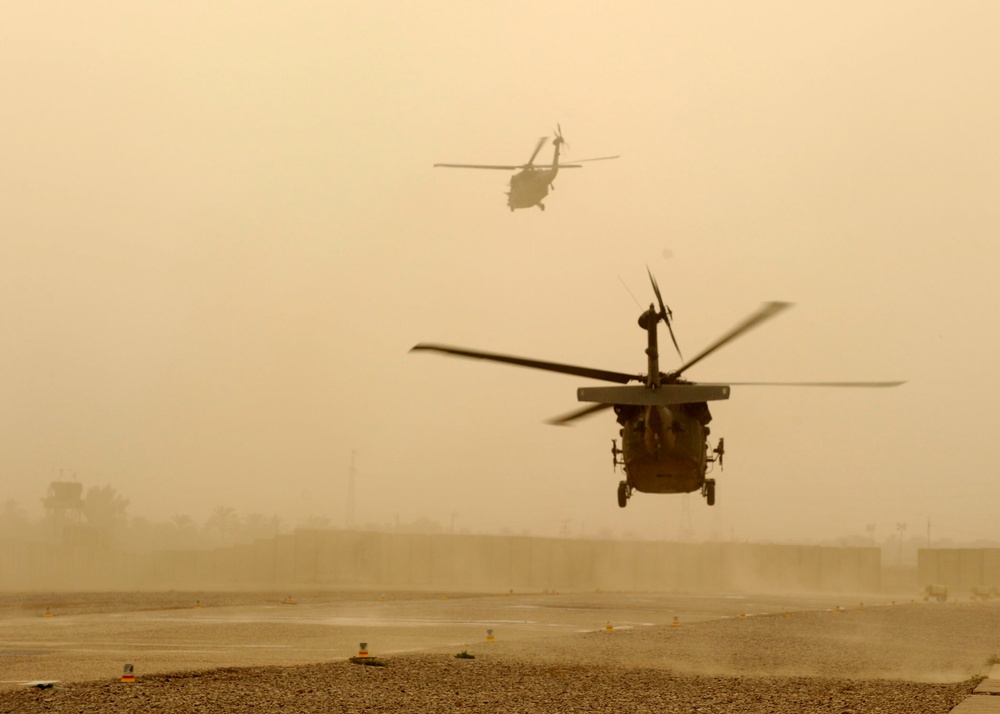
{"x":529,"y":186}
{"x":664,"y":450}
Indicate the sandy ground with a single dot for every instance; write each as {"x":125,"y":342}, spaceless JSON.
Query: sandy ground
{"x":551,"y":652}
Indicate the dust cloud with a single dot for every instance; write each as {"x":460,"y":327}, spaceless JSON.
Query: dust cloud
{"x":223,"y":231}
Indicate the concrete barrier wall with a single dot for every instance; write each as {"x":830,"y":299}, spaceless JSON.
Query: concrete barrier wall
{"x":949,"y":568}
{"x":810,"y":567}
{"x":350,"y":559}
{"x":927,"y":567}
{"x":991,"y":567}
{"x":284,"y":560}
{"x":959,"y":569}
{"x":305,"y":555}
{"x":740,"y":566}
{"x":970,"y":568}
{"x":871,"y":569}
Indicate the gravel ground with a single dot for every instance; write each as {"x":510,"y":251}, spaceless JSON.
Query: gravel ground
{"x":912,"y":658}
{"x":435,"y":683}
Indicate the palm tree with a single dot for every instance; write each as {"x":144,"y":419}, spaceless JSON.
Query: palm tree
{"x":183,"y":522}
{"x":224,"y":521}
{"x":104,"y":507}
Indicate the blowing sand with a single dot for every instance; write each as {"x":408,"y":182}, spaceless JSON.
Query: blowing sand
{"x":916,"y":657}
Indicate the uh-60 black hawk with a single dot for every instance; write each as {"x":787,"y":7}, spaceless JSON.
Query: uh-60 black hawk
{"x":532,"y":181}
{"x":664,"y":419}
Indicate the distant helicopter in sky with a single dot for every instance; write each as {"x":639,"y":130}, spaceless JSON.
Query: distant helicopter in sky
{"x":664,"y":419}
{"x":531,"y":184}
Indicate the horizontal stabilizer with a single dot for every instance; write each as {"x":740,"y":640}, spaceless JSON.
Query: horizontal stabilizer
{"x":666,"y":395}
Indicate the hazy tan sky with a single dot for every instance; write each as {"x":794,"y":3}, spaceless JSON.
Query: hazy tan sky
{"x":222,"y":232}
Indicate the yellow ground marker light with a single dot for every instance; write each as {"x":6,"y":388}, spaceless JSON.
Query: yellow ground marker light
{"x":363,"y":650}
{"x":289,"y":600}
{"x":676,"y":622}
{"x":489,"y":636}
{"x":197,"y":604}
{"x":48,"y":613}
{"x":128,"y":673}
{"x":608,"y":627}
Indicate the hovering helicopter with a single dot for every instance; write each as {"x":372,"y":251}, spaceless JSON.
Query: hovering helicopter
{"x":664,"y":419}
{"x":531,"y":183}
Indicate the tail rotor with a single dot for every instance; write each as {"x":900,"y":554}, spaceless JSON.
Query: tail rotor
{"x":664,"y":314}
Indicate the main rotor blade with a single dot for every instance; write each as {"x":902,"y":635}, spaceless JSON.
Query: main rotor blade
{"x":875,"y":385}
{"x":478,"y":166}
{"x":590,"y":373}
{"x":507,"y":167}
{"x":665,"y":312}
{"x":599,"y":158}
{"x":579,"y":413}
{"x":538,"y":147}
{"x":764,"y":313}
{"x":552,"y":166}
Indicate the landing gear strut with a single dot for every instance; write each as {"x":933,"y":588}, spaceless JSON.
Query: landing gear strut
{"x":708,"y":491}
{"x":624,"y":493}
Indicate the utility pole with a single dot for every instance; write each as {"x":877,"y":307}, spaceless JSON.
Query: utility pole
{"x":871,"y":533}
{"x":901,"y":527}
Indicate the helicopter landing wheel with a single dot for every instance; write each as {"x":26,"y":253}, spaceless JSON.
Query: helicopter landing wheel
{"x":624,"y":492}
{"x":709,"y":491}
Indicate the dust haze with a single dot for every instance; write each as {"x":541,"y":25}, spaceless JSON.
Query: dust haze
{"x":223,"y":231}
